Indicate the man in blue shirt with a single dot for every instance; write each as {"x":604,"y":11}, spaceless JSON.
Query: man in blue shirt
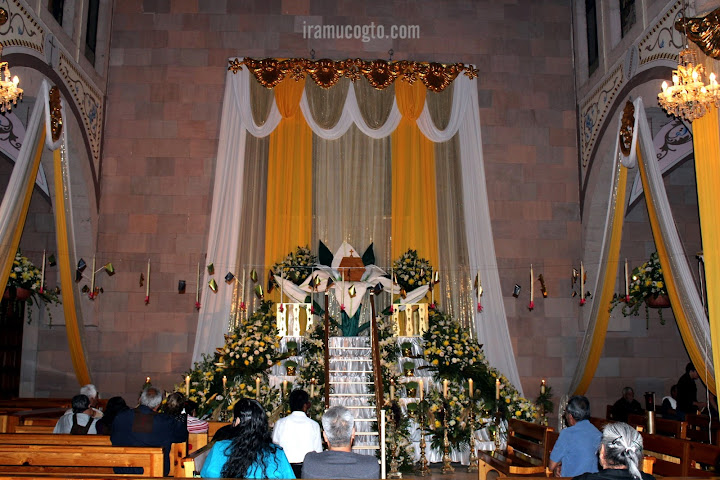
{"x":576,"y":450}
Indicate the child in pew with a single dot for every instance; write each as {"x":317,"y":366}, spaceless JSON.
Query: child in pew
{"x":79,"y":420}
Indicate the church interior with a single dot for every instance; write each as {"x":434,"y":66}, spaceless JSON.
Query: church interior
{"x":214,"y":156}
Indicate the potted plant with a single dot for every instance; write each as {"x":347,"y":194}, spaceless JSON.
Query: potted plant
{"x":646,"y":288}
{"x":25,"y":284}
{"x":407,"y":349}
{"x":292,"y":348}
{"x":290,"y":366}
{"x":409,"y":369}
{"x":411,"y":389}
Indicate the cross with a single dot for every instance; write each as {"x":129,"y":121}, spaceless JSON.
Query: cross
{"x":351,"y":252}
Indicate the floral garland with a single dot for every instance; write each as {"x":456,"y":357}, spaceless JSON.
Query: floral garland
{"x":411,"y":270}
{"x":297,"y":266}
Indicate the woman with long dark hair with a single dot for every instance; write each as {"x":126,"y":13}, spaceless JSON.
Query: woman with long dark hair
{"x":251,"y":453}
{"x":114,"y":406}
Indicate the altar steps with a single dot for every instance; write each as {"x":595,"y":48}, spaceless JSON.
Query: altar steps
{"x":350,"y":374}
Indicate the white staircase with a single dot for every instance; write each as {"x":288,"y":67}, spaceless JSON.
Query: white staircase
{"x":351,"y":372}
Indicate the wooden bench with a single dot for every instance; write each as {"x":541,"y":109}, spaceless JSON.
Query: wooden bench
{"x":52,"y":439}
{"x":527,"y":452}
{"x":701,"y":428}
{"x":49,"y":416}
{"x":663,"y":426}
{"x":600,"y":422}
{"x":76,"y":459}
{"x":193,"y":462}
{"x":678,"y":457}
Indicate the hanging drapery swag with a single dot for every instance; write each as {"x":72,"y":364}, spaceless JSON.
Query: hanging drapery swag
{"x":269,"y":72}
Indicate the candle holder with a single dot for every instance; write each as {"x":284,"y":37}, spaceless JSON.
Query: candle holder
{"x":473,"y":465}
{"x":447,"y":463}
{"x":423,"y":468}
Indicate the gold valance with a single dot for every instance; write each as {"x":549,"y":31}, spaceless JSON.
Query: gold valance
{"x":704,"y":32}
{"x":380,"y":73}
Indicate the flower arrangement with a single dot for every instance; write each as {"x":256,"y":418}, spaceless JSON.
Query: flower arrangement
{"x":24,"y":274}
{"x":411,"y":270}
{"x":296,"y":266}
{"x":249,"y":351}
{"x":646,"y":281}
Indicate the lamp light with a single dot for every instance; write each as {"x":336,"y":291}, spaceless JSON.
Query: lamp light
{"x":10,"y":93}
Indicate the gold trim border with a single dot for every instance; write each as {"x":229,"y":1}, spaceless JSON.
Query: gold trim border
{"x":326,"y":73}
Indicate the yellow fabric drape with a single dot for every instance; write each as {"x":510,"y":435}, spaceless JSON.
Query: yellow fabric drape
{"x":77,"y":353}
{"x":706,"y":142}
{"x":288,"y":223}
{"x":695,"y":354}
{"x":414,"y":200}
{"x":15,"y":242}
{"x":608,"y":286}
{"x":29,"y":187}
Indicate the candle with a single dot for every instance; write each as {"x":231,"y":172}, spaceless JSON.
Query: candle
{"x":497,"y":389}
{"x":532,"y":284}
{"x":312,"y":387}
{"x":257,"y":388}
{"x":582,"y":280}
{"x":392,"y":392}
{"x":470,"y":382}
{"x":147,"y":379}
{"x":92,"y":279}
{"x":147,"y":284}
{"x":224,"y":382}
{"x":42,"y":274}
{"x":432,"y":289}
{"x":445,"y":388}
{"x":422,"y":389}
{"x":627,"y":281}
{"x":284,"y":387}
{"x":197,"y":286}
{"x":187,"y":385}
{"x":542,"y":387}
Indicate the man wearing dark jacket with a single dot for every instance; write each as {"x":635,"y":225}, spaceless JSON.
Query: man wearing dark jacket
{"x":144,"y":427}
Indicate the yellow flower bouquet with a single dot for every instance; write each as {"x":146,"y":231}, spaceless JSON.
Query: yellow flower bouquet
{"x":646,"y":282}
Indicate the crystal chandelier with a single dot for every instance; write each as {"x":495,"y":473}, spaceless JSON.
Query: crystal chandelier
{"x":9,"y":91}
{"x":688,"y":97}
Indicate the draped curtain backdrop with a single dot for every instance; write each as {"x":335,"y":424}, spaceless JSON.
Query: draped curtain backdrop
{"x":682,"y":290}
{"x":299,"y":163}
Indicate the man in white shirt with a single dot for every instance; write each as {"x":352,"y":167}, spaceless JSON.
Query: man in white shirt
{"x":79,"y":420}
{"x":297,"y":434}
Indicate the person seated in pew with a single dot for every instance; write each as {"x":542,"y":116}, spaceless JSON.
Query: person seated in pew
{"x":575,"y":451}
{"x":250,"y":453}
{"x":621,"y":455}
{"x":339,"y":461}
{"x":194,"y":424}
{"x":91,"y":392}
{"x":668,"y":408}
{"x":114,"y":406}
{"x":145,"y":427}
{"x":79,"y":420}
{"x":626,"y":405}
{"x":297,"y":433}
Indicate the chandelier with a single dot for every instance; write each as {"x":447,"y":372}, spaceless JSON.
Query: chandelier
{"x":10,"y":93}
{"x":688,"y":97}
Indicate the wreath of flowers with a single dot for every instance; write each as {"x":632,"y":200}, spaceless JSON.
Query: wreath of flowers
{"x":411,"y":270}
{"x":646,"y":281}
{"x":296,"y":266}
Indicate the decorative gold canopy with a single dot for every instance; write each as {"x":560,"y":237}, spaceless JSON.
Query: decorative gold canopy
{"x":703,"y":31}
{"x":380,"y":73}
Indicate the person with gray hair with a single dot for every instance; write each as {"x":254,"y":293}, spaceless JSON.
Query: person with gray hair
{"x":339,"y":461}
{"x":91,"y":393}
{"x":626,"y":405}
{"x":144,"y":427}
{"x":621,"y":455}
{"x":575,"y":451}
{"x":78,"y":420}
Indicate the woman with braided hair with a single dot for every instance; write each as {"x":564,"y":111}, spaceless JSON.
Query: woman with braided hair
{"x":249,"y":453}
{"x":621,"y":455}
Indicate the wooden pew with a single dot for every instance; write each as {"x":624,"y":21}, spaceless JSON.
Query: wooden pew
{"x":663,"y":426}
{"x":701,"y":429}
{"x":75,"y":459}
{"x":192,"y":463}
{"x":24,"y":416}
{"x":527,"y":453}
{"x":34,"y":429}
{"x":599,"y":422}
{"x":671,"y":454}
{"x":703,"y":459}
{"x":52,"y":439}
{"x":214,"y":427}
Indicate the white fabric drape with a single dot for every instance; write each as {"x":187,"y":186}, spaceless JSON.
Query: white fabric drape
{"x":224,"y":222}
{"x":491,"y":324}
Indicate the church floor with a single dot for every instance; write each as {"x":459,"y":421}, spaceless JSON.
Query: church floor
{"x":460,"y":473}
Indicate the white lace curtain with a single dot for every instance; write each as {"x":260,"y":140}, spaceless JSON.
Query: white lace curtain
{"x":351,"y":192}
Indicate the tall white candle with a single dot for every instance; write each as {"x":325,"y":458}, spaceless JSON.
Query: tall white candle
{"x":542,"y":386}
{"x":421,"y":387}
{"x":532,"y":284}
{"x":187,"y":385}
{"x":42,"y":274}
{"x":257,"y":388}
{"x":497,"y":389}
{"x":582,"y":281}
{"x":627,"y":280}
{"x":445,"y":388}
{"x":197,"y":285}
{"x":92,"y":279}
{"x":147,"y":282}
{"x":470,"y":384}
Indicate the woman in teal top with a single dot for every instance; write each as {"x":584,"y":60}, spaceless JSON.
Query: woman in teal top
{"x":250,"y":453}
